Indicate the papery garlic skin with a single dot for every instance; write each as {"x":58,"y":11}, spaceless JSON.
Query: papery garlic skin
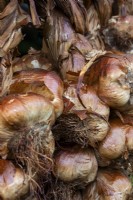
{"x":14,"y":183}
{"x":111,"y":74}
{"x":25,"y":129}
{"x":41,"y":82}
{"x":109,"y":185}
{"x":75,"y":165}
{"x":113,"y":145}
{"x":11,"y":18}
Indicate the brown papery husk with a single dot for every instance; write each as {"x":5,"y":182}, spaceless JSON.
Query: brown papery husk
{"x":44,"y":7}
{"x":72,"y":65}
{"x":104,"y":10}
{"x":102,"y":161}
{"x":58,"y":35}
{"x":35,"y":59}
{"x":14,"y":183}
{"x":127,"y":120}
{"x":111,"y":74}
{"x":11,"y":18}
{"x":119,"y":33}
{"x":75,"y":11}
{"x":87,"y":3}
{"x":129,"y":138}
{"x":75,"y":165}
{"x":114,"y":145}
{"x":25,"y":129}
{"x":122,"y":7}
{"x":87,"y":131}
{"x":93,"y":28}
{"x":92,"y":20}
{"x":109,"y":185}
{"x":93,"y":103}
{"x":127,"y":109}
{"x":41,"y":82}
{"x":129,"y":5}
{"x":82,"y":45}
{"x":86,"y":99}
{"x":6,"y":75}
{"x":3,"y":4}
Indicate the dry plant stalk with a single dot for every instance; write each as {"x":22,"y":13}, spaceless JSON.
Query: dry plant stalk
{"x":93,"y":27}
{"x":104,"y":10}
{"x":76,"y":12}
{"x":58,"y":34}
{"x":11,"y":20}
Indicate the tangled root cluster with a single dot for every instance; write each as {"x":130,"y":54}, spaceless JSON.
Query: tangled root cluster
{"x":33,"y":149}
{"x":70,"y":128}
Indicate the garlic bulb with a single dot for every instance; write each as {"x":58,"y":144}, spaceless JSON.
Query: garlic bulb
{"x":75,"y":165}
{"x":129,"y":138}
{"x":82,"y":122}
{"x":113,"y":87}
{"x":110,"y":73}
{"x":119,"y":33}
{"x":102,"y":161}
{"x":81,"y":128}
{"x":114,"y":144}
{"x":14,"y":183}
{"x":25,"y":128}
{"x":109,"y":185}
{"x":41,"y":82}
{"x":93,"y":103}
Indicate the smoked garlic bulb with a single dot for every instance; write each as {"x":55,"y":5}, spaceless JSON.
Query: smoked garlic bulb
{"x":41,"y":82}
{"x":129,"y":138}
{"x":127,"y":121}
{"x":93,"y":103}
{"x":85,"y":119}
{"x":25,"y":128}
{"x":76,"y":164}
{"x":87,"y":131}
{"x":14,"y":183}
{"x":114,"y":144}
{"x":88,"y":99}
{"x":109,"y":185}
{"x":112,"y":74}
